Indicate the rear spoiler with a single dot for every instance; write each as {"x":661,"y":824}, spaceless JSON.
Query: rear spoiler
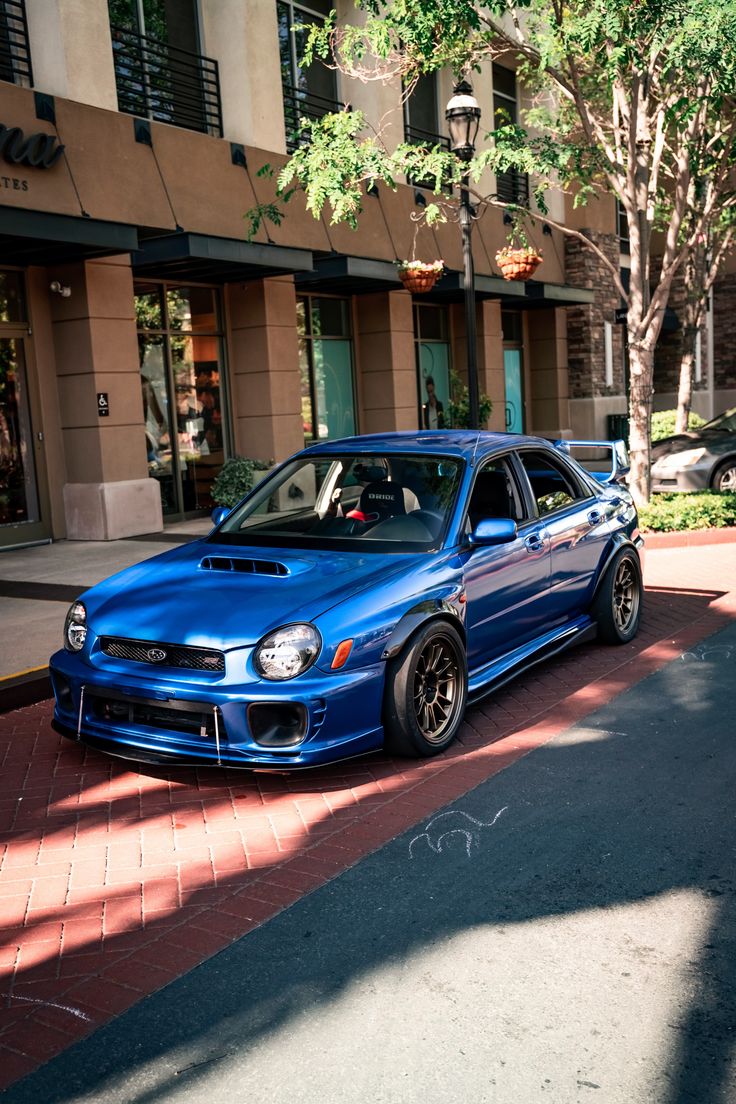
{"x":602,"y":468}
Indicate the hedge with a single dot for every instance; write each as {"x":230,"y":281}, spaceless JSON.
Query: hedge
{"x":669,"y":513}
{"x":663,"y":424}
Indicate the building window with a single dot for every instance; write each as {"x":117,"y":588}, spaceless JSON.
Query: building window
{"x":15,"y":53}
{"x":622,"y":228}
{"x":159,"y":71}
{"x":420,"y":120}
{"x":326,"y":365}
{"x":431,"y":336}
{"x":512,"y":186}
{"x":184,"y":400}
{"x":310,"y":91}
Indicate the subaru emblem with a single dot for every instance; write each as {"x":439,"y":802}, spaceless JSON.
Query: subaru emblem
{"x":156,"y":655}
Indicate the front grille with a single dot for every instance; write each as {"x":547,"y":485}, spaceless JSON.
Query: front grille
{"x":188,"y":718}
{"x":164,"y":655}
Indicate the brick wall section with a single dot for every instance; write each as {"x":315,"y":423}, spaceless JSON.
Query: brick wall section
{"x":585,"y":325}
{"x":668,"y":353}
{"x":724,"y":332}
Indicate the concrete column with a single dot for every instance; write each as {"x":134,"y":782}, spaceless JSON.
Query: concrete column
{"x":71,"y":50}
{"x":264,"y":368}
{"x":549,"y":408}
{"x":108,"y":493}
{"x":243,"y":37}
{"x":387,"y":375}
{"x":489,"y":340}
{"x":491,"y":379}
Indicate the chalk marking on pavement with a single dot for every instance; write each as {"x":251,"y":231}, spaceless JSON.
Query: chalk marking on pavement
{"x":49,"y":1004}
{"x":707,"y":652}
{"x":470,"y":835}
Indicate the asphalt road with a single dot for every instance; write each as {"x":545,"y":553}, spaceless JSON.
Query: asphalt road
{"x":565,"y":932}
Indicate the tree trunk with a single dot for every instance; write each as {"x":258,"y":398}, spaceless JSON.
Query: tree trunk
{"x":687,"y":374}
{"x":641,"y":364}
{"x":696,"y":295}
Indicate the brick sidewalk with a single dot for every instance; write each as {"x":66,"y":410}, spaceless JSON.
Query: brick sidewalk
{"x":114,"y":881}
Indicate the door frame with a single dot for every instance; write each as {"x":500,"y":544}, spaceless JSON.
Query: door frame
{"x":17,"y":535}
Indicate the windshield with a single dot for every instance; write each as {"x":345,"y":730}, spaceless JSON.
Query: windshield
{"x":380,"y":503}
{"x":725,"y":421}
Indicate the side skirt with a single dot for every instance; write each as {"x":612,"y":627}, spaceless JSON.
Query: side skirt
{"x":494,"y":675}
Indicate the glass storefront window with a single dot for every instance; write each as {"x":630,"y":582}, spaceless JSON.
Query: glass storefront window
{"x":12,"y":298}
{"x":183,"y":396}
{"x":18,"y":489}
{"x":431,"y":332}
{"x":326,"y":367}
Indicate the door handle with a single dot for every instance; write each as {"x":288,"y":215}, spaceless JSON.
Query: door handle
{"x":595,"y":516}
{"x":534,"y":543}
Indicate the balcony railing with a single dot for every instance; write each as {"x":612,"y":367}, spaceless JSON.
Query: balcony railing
{"x":417,"y":137}
{"x":299,"y":105}
{"x":512,"y":186}
{"x":162,"y":82}
{"x":15,"y":54}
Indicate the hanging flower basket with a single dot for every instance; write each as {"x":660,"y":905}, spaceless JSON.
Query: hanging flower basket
{"x":518,"y":264}
{"x":420,"y":276}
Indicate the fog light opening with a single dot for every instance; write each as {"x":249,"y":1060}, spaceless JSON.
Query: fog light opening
{"x":277,"y":724}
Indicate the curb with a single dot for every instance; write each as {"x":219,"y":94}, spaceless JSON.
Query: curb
{"x":26,"y":688}
{"x":689,"y":538}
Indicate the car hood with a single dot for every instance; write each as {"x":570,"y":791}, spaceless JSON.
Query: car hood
{"x":222,"y":597}
{"x":694,"y":438}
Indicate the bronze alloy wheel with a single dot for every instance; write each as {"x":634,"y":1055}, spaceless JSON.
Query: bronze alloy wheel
{"x":436,"y":682}
{"x":625,"y":595}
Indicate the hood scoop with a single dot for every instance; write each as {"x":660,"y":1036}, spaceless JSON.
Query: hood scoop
{"x":243,"y":566}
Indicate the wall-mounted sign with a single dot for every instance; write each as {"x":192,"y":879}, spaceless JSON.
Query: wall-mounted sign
{"x":103,"y":405}
{"x":40,"y":151}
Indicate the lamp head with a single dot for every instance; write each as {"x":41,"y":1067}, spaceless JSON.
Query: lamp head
{"x":463,"y":119}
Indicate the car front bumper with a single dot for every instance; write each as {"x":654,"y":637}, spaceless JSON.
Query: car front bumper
{"x":694,"y":477}
{"x":158,"y":720}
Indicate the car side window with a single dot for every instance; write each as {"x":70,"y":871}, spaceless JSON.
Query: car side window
{"x":494,"y":495}
{"x":553,"y":485}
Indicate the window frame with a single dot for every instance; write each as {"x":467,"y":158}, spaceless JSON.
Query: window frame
{"x":553,"y":460}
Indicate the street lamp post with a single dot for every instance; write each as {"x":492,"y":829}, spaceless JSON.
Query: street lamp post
{"x":463,"y":119}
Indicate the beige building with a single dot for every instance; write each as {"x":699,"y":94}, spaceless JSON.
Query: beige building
{"x":143,"y":339}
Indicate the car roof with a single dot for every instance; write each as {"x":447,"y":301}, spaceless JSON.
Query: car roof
{"x":452,"y":442}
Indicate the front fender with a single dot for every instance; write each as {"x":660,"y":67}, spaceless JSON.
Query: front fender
{"x":430,"y":609}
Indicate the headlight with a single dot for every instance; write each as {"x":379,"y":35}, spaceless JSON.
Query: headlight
{"x":287,"y":652}
{"x":677,"y":460}
{"x":691,"y":457}
{"x":75,"y":628}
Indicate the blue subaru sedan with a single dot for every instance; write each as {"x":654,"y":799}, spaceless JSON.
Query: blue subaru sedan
{"x":356,"y":599}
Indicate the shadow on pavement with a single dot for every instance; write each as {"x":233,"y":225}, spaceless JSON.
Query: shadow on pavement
{"x":635,"y":805}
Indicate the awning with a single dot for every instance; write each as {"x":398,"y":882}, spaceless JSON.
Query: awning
{"x":39,"y":237}
{"x":185,"y":256}
{"x":349,"y":275}
{"x":451,"y":289}
{"x":557,"y":295}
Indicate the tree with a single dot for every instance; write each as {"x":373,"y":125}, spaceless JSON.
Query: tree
{"x":628,"y":92}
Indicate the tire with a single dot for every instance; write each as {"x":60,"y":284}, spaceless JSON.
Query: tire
{"x":426,"y":692}
{"x":618,"y":603}
{"x":724,"y":477}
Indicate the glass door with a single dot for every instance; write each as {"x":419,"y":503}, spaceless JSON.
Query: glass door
{"x":514,"y":394}
{"x":22,"y":483}
{"x":181,"y":365}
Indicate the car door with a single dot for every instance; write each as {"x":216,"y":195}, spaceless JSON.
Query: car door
{"x":578,"y":527}
{"x":506,"y":585}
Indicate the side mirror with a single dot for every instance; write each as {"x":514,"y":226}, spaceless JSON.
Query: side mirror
{"x":494,"y":531}
{"x":219,"y":514}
